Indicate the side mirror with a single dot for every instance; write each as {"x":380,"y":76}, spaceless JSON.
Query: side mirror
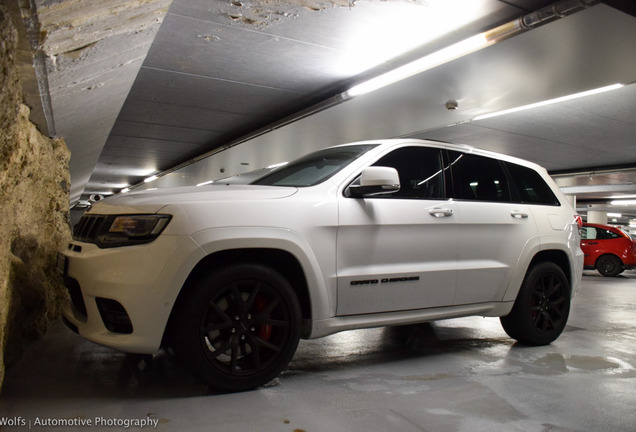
{"x":376,"y":181}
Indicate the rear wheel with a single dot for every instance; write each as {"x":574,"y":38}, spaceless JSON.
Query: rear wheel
{"x":237,"y":328}
{"x":609,"y":266}
{"x":542,"y":307}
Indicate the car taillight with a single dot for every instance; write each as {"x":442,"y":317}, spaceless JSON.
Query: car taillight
{"x":579,"y":221}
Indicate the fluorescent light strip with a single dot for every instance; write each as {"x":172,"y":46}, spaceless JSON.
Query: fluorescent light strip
{"x":205,"y":183}
{"x":623,"y":202}
{"x":151,"y":178}
{"x":277,"y":165}
{"x":551,"y":101}
{"x":437,"y":58}
{"x":112,"y":185}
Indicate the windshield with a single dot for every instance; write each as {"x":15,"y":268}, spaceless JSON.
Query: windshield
{"x":314,"y":168}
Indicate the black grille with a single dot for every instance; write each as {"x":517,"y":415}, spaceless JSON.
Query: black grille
{"x":88,"y":227}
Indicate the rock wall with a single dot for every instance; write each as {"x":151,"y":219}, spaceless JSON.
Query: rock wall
{"x":34,"y":221}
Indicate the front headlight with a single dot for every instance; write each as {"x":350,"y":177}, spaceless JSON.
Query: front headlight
{"x":127,"y":230}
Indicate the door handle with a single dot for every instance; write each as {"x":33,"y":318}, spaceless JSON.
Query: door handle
{"x":518,"y":214}
{"x":440,"y":213}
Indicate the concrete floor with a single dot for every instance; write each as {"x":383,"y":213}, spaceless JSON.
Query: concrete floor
{"x":456,"y":375}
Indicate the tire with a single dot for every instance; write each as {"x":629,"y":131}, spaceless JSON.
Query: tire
{"x":609,"y":265}
{"x":237,"y":328}
{"x":542,"y":306}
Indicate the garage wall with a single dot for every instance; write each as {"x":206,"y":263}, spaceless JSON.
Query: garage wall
{"x":34,"y":196}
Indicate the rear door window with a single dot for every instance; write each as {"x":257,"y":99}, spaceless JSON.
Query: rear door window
{"x":478,"y":178}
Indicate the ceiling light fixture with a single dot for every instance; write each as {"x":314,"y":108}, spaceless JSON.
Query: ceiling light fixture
{"x":557,"y":10}
{"x":623,"y":202}
{"x":205,"y":183}
{"x":151,"y":178}
{"x":400,"y":28}
{"x":430,"y":61}
{"x":108,"y":185}
{"x":124,"y":170}
{"x":125,"y":190}
{"x":438,"y":58}
{"x":551,"y":101}
{"x":614,"y":215}
{"x":277,"y":165}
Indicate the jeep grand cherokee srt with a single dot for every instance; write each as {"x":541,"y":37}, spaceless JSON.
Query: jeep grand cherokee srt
{"x":361,"y":235}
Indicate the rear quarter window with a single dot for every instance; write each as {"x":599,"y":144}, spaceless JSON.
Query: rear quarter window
{"x":605,"y":234}
{"x":530,"y":187}
{"x":592,"y":233}
{"x":588,"y":233}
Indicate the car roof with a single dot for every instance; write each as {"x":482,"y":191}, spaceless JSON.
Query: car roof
{"x":464,"y":148}
{"x":597,"y":225}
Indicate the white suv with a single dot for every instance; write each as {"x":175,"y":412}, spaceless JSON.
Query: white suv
{"x":360,"y":235}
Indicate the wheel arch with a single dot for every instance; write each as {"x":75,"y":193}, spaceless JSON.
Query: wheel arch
{"x":280,"y":260}
{"x":556,"y":256}
{"x":616,"y":265}
{"x":606,"y":254}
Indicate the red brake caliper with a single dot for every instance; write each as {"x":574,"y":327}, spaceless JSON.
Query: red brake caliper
{"x":260,"y":304}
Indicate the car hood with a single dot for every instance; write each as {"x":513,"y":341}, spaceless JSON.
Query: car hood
{"x":153,"y":201}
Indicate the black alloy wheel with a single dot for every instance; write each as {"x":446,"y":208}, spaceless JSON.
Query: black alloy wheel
{"x":238,"y":328}
{"x":541,"y":310}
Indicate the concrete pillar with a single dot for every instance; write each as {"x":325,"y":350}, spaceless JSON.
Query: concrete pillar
{"x":596,"y":216}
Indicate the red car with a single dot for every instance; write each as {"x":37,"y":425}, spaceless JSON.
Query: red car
{"x":607,"y":249}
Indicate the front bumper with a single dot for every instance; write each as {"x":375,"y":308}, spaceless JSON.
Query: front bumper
{"x":122,"y":297}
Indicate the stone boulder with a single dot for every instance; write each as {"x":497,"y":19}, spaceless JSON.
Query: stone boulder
{"x":34,"y":213}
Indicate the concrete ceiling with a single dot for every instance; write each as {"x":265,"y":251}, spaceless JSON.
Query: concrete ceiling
{"x":142,"y":87}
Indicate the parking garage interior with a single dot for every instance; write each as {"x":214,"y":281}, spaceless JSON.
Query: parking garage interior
{"x":103,"y":98}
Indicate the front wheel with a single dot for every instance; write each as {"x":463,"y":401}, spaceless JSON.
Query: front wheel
{"x":237,"y":328}
{"x":609,"y":266}
{"x":542,"y":307}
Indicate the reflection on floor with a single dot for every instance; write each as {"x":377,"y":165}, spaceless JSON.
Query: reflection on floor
{"x":456,"y":375}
